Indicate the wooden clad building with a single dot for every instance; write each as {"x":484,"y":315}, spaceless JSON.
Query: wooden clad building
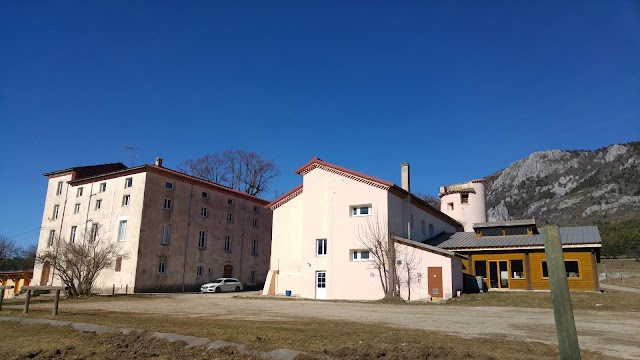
{"x":510,"y":255}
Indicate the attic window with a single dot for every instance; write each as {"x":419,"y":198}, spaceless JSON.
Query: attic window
{"x":464,"y":198}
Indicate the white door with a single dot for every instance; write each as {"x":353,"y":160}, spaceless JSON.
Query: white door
{"x":321,"y":285}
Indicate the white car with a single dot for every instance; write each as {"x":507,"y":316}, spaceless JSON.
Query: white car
{"x":222,"y":284}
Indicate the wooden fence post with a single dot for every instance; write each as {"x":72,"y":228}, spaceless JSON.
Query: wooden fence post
{"x":562,"y":306}
{"x":26,"y":302}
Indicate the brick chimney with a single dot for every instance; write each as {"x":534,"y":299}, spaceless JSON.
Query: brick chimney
{"x":159,"y":161}
{"x":406,"y":179}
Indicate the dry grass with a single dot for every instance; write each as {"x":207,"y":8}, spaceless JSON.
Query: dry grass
{"x":622,"y":272}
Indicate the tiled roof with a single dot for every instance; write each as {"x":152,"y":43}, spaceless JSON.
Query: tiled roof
{"x":578,"y":235}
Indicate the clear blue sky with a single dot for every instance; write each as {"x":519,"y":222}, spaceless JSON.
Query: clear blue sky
{"x":458,"y":89}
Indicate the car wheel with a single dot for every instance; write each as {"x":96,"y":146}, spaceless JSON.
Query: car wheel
{"x":237,"y":288}
{"x":217,"y":289}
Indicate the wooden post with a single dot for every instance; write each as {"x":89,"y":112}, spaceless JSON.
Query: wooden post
{"x":113,"y":290}
{"x":1,"y":298}
{"x":55,"y":302}
{"x":562,"y":306}
{"x":26,"y":302}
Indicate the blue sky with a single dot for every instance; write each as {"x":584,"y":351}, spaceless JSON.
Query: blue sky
{"x":460,"y":89}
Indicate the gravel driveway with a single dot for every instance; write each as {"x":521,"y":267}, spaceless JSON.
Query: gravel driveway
{"x":615,"y":334}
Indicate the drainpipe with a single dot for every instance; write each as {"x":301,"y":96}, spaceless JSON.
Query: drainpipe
{"x":186,"y":242}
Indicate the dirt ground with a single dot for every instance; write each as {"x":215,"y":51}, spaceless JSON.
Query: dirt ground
{"x":611,"y":333}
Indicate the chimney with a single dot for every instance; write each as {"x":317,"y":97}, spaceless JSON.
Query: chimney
{"x":406,"y":179}
{"x":159,"y":161}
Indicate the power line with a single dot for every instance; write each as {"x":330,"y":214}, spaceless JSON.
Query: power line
{"x":26,"y":232}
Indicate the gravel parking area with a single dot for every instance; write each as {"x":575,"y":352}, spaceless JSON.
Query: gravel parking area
{"x":616,"y":334}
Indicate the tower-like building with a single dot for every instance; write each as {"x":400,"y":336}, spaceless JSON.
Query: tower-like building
{"x":465,"y":202}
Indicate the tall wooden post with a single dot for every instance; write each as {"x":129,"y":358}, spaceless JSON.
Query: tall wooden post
{"x":56,"y":301}
{"x":562,"y":306}
{"x":26,"y":302}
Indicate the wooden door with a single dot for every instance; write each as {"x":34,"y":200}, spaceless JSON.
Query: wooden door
{"x":46,"y":269}
{"x":435,"y":281}
{"x":228,"y":271}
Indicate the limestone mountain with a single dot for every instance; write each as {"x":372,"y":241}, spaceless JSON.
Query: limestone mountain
{"x":577,"y":187}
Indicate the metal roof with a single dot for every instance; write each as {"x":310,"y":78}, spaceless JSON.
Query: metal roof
{"x":578,"y":235}
{"x":505,"y":223}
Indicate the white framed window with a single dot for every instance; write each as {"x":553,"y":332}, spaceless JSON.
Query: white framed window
{"x":202,"y":239}
{"x":231,"y":202}
{"x":94,"y":232}
{"x":361,"y":210}
{"x":321,"y":247}
{"x":204,"y":211}
{"x":255,"y":224}
{"x":76,"y":208}
{"x":59,"y":188}
{"x":103,"y":187}
{"x":72,"y":235}
{"x":229,"y":218}
{"x":79,"y":192}
{"x":254,"y":247}
{"x":253,"y":277}
{"x":464,"y":198}
{"x":227,"y":243}
{"x":199,"y":270}
{"x":56,"y":212}
{"x":205,"y":195}
{"x":361,"y":255}
{"x":122,"y":230}
{"x":423,"y":227}
{"x":128,"y":182}
{"x":52,"y":238}
{"x":169,"y":185}
{"x":98,"y":204}
{"x":166,"y":234}
{"x":162,"y":268}
{"x":126,"y":200}
{"x":167,"y":204}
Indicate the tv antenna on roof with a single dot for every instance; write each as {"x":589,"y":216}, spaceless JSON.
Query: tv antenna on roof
{"x":131,"y":151}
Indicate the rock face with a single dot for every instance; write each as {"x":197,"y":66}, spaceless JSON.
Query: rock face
{"x":568,"y":187}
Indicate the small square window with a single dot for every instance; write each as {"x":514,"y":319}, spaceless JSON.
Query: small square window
{"x":464,"y":198}
{"x":204,"y":212}
{"x":79,"y":192}
{"x":205,"y":195}
{"x":76,"y":208}
{"x":126,"y":200}
{"x":361,"y":255}
{"x":128,"y":182}
{"x":256,"y":209}
{"x":231,"y":202}
{"x":450,"y":206}
{"x":167,"y":204}
{"x":98,"y":204}
{"x":361,"y":210}
{"x":103,"y":187}
{"x":169,"y":185}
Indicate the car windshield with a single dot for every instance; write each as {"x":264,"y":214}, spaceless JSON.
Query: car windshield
{"x":217,"y":281}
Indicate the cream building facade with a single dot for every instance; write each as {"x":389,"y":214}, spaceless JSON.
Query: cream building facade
{"x":318,"y":250}
{"x":178,"y":231}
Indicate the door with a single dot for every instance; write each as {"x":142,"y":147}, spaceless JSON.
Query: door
{"x":435,"y":281}
{"x":228,"y":271}
{"x":499,"y":274}
{"x":46,"y":268}
{"x":321,"y":285}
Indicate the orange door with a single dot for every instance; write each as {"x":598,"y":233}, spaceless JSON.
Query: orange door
{"x":228,"y":271}
{"x":46,"y":268}
{"x":435,"y":281}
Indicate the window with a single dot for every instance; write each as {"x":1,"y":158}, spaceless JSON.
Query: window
{"x":199,"y":270}
{"x":412,"y":221}
{"x":122,"y":230}
{"x":256,"y":209}
{"x":126,"y":200}
{"x":572,"y":267}
{"x":480,"y":268}
{"x":166,"y":234}
{"x":361,"y":210}
{"x":98,"y":204}
{"x":118,"y":266}
{"x":162,"y":268}
{"x":464,"y":198}
{"x":361,"y":255}
{"x":254,"y":247}
{"x":432,"y":230}
{"x":56,"y":211}
{"x":450,"y":206}
{"x":128,"y":182}
{"x":204,"y":212}
{"x":59,"y":188}
{"x":167,"y":204}
{"x":227,"y":243}
{"x":79,"y":192}
{"x":517,"y":269}
{"x":202,"y":239}
{"x":94,"y":232}
{"x":169,"y":185}
{"x":253,"y":277}
{"x":229,"y":218}
{"x":205,"y":195}
{"x":423,"y":227}
{"x":321,"y":247}
{"x":52,"y":238}
{"x":103,"y":187}
{"x":231,"y":202}
{"x":255,"y":224}
{"x":76,"y":208}
{"x":72,"y":235}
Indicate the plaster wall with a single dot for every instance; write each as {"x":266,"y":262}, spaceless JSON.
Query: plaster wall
{"x":467,"y":214}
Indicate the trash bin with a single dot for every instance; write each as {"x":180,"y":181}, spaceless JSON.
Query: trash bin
{"x":287,"y":292}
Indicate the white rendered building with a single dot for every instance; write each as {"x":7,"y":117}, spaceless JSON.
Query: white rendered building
{"x":179,"y":231}
{"x":318,"y":227}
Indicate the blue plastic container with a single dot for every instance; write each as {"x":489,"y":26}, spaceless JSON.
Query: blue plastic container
{"x":287,"y":292}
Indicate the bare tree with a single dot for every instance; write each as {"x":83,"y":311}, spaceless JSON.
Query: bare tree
{"x":429,"y":199}
{"x":408,"y":264}
{"x":8,"y":248}
{"x":241,"y":170}
{"x":79,"y":263}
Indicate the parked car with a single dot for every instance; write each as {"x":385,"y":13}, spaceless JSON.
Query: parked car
{"x":222,"y":284}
